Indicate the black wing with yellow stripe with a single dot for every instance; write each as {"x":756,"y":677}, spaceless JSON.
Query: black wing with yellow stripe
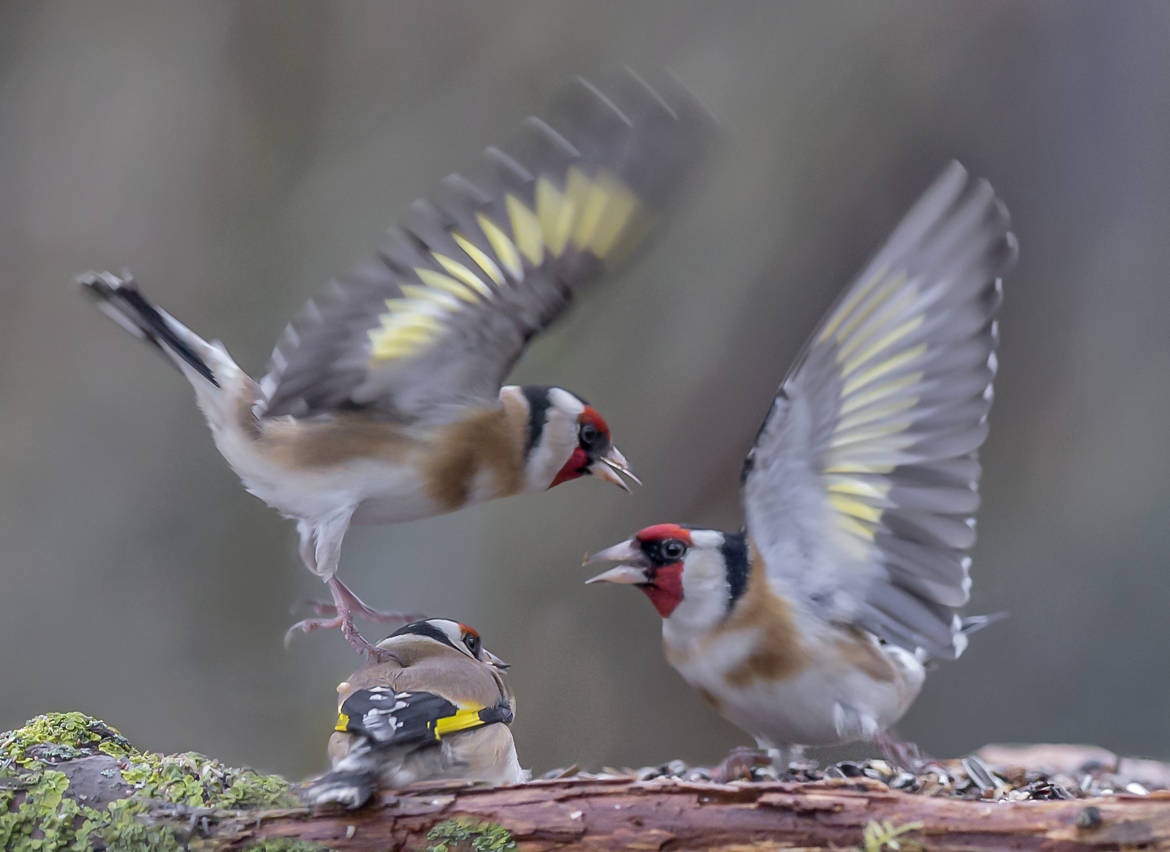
{"x":862,"y":487}
{"x":438,"y":316}
{"x":384,"y":717}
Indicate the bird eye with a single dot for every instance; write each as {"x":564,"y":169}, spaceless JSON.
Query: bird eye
{"x":590,"y":436}
{"x":673,"y":549}
{"x":473,"y":643}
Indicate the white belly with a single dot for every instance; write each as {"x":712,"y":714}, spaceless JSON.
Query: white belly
{"x":825,"y":703}
{"x":814,"y":709}
{"x":384,"y":492}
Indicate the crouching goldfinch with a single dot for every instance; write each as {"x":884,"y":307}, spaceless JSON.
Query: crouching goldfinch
{"x":435,"y":708}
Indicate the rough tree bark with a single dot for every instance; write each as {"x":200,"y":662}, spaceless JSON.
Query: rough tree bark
{"x":676,"y":815}
{"x":72,"y":782}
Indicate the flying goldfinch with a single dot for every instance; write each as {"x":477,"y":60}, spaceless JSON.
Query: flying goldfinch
{"x":383,"y":400}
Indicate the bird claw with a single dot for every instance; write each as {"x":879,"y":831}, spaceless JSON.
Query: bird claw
{"x":308,"y":625}
{"x":738,"y":764}
{"x":338,"y":622}
{"x":321,"y":609}
{"x":339,"y":614}
{"x":902,"y":754}
{"x":328,"y":611}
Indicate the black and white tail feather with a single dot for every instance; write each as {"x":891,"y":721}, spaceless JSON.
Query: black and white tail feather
{"x":120,"y":299}
{"x":351,"y":783}
{"x":220,"y":385}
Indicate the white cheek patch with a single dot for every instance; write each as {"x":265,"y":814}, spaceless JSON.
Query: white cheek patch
{"x":705,"y":589}
{"x":557,"y":440}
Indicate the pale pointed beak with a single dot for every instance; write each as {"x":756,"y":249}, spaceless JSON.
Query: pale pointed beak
{"x":611,"y":466}
{"x":495,"y":661}
{"x":629,"y":574}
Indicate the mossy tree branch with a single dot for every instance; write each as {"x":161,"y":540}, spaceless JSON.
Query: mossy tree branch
{"x":70,"y":781}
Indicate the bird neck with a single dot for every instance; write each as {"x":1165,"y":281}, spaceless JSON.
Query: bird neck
{"x":750,"y":630}
{"x":705,"y":597}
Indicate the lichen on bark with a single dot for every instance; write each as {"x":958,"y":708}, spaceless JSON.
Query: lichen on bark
{"x":69,"y":781}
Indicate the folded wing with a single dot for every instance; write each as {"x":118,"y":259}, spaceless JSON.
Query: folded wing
{"x":383,"y":717}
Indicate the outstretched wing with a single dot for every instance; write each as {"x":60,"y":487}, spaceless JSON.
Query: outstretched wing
{"x":384,"y":717}
{"x":862,"y":487}
{"x":440,"y":313}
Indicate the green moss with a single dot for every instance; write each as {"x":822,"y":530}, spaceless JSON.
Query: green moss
{"x":39,"y":811}
{"x":880,"y":835}
{"x":56,"y":737}
{"x":200,"y":782}
{"x":35,"y":814}
{"x":465,"y":834}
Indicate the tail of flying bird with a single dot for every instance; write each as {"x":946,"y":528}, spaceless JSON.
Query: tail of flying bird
{"x":208,"y":367}
{"x":120,"y":300}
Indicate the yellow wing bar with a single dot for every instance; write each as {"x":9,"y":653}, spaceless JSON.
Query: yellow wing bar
{"x":591,"y":214}
{"x":468,"y":717}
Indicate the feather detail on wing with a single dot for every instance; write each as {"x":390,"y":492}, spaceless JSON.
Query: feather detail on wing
{"x":862,"y":486}
{"x":437,"y":317}
{"x":384,"y":717}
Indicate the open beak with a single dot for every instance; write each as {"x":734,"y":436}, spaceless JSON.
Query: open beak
{"x":611,"y":467}
{"x":495,"y":661}
{"x":630,"y":574}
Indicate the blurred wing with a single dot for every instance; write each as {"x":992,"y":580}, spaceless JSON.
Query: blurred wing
{"x":862,"y":487}
{"x":440,"y":314}
{"x":384,"y":717}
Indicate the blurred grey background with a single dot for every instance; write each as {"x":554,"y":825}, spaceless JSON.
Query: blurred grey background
{"x":236,"y":155}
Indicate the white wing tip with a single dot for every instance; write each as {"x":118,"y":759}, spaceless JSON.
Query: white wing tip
{"x":959,"y":642}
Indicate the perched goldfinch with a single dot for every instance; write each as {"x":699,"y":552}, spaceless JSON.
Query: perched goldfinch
{"x":435,"y":708}
{"x":383,"y":400}
{"x":812,"y":625}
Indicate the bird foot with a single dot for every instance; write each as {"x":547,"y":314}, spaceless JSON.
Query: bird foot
{"x":344,"y":623}
{"x":345,"y":601}
{"x":325,"y":611}
{"x":738,"y":764}
{"x":339,"y":615}
{"x":902,"y":754}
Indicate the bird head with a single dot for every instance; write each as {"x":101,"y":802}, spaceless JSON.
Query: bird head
{"x":568,"y":439}
{"x":448,"y":632}
{"x":691,"y":576}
